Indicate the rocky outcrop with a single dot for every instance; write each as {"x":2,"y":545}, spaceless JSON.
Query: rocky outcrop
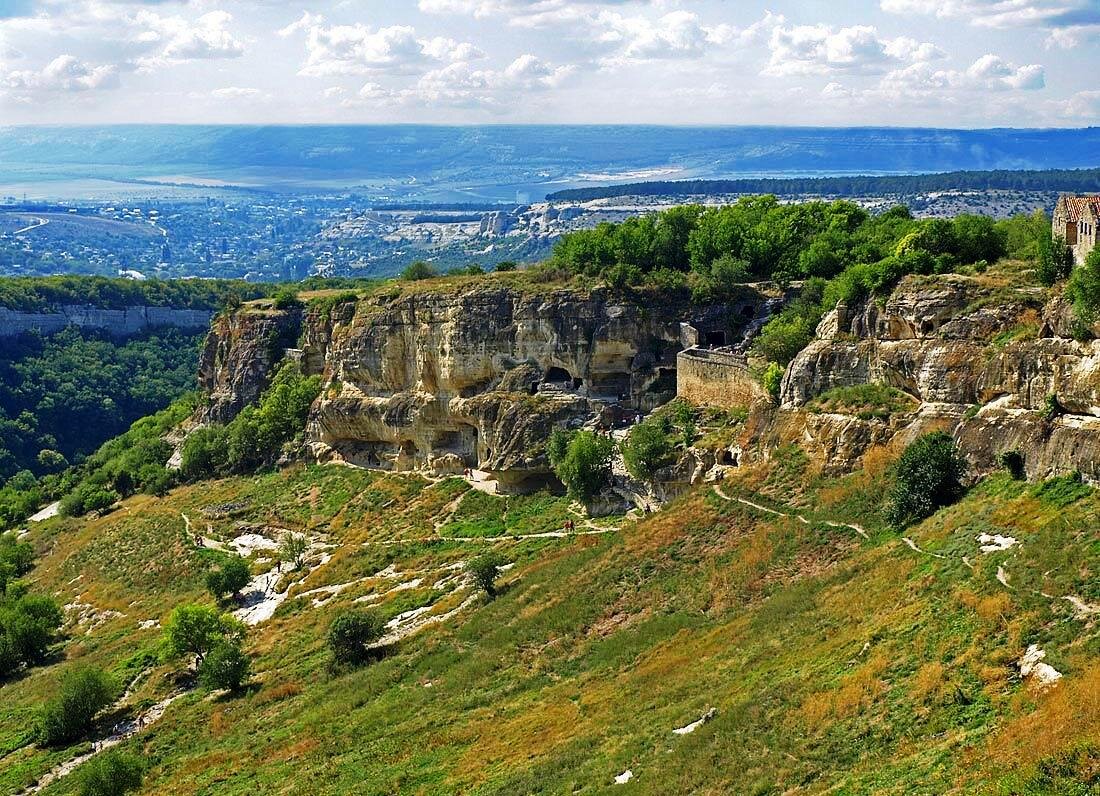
{"x":984,"y":359}
{"x":121,"y":322}
{"x":469,"y":377}
{"x":239,"y":358}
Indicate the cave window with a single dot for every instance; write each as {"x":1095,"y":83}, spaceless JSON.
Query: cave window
{"x":578,"y":383}
{"x":558,"y":375}
{"x":726,"y":458}
{"x":534,"y":388}
{"x":748,"y":312}
{"x":716,"y":338}
{"x":927,"y":327}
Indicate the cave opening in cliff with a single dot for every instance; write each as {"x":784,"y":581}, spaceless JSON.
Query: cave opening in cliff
{"x":716,"y":339}
{"x":558,"y":376}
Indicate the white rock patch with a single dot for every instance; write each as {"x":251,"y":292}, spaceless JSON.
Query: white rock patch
{"x":995,"y":543}
{"x":624,"y":777}
{"x":687,"y":729}
{"x":1032,"y":665}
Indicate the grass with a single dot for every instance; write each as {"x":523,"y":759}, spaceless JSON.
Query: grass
{"x":865,"y":401}
{"x":835,"y":664}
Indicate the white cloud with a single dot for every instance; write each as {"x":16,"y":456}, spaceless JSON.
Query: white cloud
{"x":359,"y":49}
{"x":820,"y":49}
{"x":678,"y":34}
{"x":1068,"y":22}
{"x":184,"y":40}
{"x":66,"y":73}
{"x":990,"y":73}
{"x":1083,"y":105}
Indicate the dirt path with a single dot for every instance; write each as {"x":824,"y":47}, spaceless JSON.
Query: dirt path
{"x":122,"y":731}
{"x":776,"y":513}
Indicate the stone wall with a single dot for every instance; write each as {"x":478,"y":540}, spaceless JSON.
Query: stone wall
{"x":717,"y":378}
{"x":130,"y":320}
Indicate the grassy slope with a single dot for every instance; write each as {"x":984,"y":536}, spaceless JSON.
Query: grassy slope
{"x":835,"y":664}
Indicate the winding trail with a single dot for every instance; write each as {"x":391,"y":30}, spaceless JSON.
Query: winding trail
{"x":775,"y":512}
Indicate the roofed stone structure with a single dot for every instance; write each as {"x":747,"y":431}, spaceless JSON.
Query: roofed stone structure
{"x":1076,"y":219}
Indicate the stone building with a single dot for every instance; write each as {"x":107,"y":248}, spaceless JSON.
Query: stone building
{"x":1076,"y":219}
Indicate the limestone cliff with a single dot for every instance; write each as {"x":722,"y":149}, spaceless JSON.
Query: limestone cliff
{"x":987,"y":360}
{"x":473,"y":375}
{"x":120,"y":322}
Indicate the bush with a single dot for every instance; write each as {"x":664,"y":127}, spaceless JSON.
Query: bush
{"x":1083,"y":289}
{"x":293,"y":549}
{"x":27,"y":626}
{"x":647,"y":449}
{"x":417,"y":271}
{"x":86,"y":498}
{"x":927,"y":477}
{"x":584,"y":466}
{"x":113,"y":773}
{"x":205,"y":453}
{"x":226,"y":667}
{"x":229,"y":578}
{"x":16,"y":559}
{"x":485,"y":569}
{"x":351,"y":634}
{"x":287,"y":299}
{"x":505,"y":266}
{"x":772,"y":380}
{"x":68,"y":716}
{"x":198,"y":629}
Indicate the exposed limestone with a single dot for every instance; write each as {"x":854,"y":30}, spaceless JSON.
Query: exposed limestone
{"x":473,"y":377}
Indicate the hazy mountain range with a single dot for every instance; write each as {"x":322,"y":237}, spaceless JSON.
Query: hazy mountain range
{"x":495,"y":163}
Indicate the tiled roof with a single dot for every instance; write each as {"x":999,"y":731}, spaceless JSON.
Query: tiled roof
{"x":1077,"y":206}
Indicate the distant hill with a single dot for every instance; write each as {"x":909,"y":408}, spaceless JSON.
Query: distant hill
{"x":401,"y":163}
{"x":1069,"y":180}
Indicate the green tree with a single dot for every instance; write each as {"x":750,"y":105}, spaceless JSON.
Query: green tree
{"x":647,"y":448}
{"x":505,"y":266}
{"x":484,"y":570}
{"x":927,"y":477}
{"x":226,"y":667}
{"x":1084,"y":289}
{"x":112,"y":773}
{"x":83,"y":692}
{"x":197,"y":629}
{"x":585,"y":466}
{"x":352,"y":634}
{"x":229,"y":578}
{"x":419,"y":270}
{"x":205,"y":453}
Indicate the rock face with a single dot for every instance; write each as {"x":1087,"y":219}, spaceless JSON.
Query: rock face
{"x":983,"y":359}
{"x":130,"y":320}
{"x":471,"y":377}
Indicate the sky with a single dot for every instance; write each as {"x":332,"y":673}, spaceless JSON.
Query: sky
{"x":943,"y":63}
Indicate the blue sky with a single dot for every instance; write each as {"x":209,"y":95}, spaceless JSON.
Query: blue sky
{"x":959,"y":63}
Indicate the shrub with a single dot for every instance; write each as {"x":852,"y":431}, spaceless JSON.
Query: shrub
{"x":229,"y":578}
{"x":927,"y":477}
{"x":351,"y":635}
{"x":585,"y":465}
{"x":226,"y":667}
{"x":113,"y":773}
{"x":419,"y":270}
{"x":197,"y":629}
{"x":68,"y":716}
{"x":27,"y":626}
{"x":485,"y":569}
{"x":505,"y":266}
{"x":292,"y":549}
{"x":1083,"y":289}
{"x":1052,"y":409}
{"x":287,"y":299}
{"x":205,"y":453}
{"x":647,"y":449}
{"x":16,"y":559}
{"x":88,"y":497}
{"x":773,"y":380}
